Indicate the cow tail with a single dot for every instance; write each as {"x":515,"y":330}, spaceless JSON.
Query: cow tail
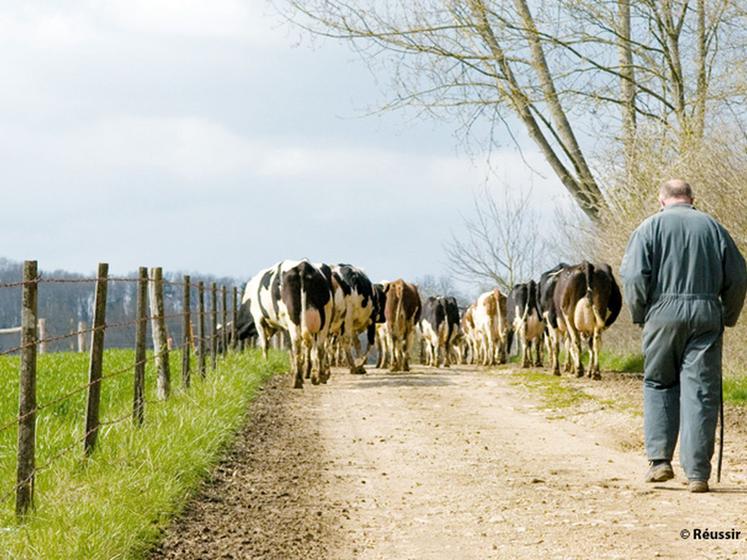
{"x":304,"y":326}
{"x":589,"y":272}
{"x":398,"y":312}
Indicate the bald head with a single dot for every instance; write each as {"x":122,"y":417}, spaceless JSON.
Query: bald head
{"x":675,"y":191}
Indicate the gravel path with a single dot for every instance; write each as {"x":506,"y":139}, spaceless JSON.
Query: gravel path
{"x":457,"y":463}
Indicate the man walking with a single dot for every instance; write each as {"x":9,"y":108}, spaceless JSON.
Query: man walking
{"x":684,"y":280}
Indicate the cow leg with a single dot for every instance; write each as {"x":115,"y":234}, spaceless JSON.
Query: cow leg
{"x":349,"y":357}
{"x":568,"y":353}
{"x":538,"y":351}
{"x":314,"y":359}
{"x":393,"y":349}
{"x":575,"y":350}
{"x":325,"y":371}
{"x":387,"y":352}
{"x":524,"y":346}
{"x":296,"y":362}
{"x":489,"y":351}
{"x":596,"y":346}
{"x":407,"y":341}
{"x":447,"y":359}
{"x":555,"y":353}
{"x":379,"y":352}
{"x":501,"y":350}
{"x":263,"y":336}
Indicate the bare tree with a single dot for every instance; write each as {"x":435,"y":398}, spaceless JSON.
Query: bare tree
{"x":568,"y":72}
{"x":501,"y":242}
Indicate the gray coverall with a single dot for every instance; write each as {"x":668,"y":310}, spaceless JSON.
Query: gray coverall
{"x":684,"y":280}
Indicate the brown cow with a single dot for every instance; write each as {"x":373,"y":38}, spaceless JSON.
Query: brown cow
{"x":402,"y":313}
{"x":588,"y":301}
{"x":468,"y":348}
{"x":491,"y":326}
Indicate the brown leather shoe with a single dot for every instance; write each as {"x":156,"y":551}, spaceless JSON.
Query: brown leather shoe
{"x":697,"y":486}
{"x":660,"y":471}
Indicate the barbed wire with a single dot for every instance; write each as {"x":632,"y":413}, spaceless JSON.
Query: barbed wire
{"x":103,"y":423}
{"x":204,"y":346}
{"x":42,"y":279}
{"x":60,"y":453}
{"x":80,"y":389}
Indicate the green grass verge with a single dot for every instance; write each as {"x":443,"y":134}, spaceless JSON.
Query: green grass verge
{"x":556,"y":392}
{"x":621,"y":363}
{"x":735,"y":390}
{"x":115,"y":504}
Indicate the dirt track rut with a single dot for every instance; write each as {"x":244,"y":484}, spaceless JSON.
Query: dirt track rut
{"x":446,"y":464}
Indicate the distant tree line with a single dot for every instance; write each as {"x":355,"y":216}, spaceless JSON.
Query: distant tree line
{"x":64,"y":304}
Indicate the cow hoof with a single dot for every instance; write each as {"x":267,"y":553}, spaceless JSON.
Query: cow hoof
{"x":298,"y":383}
{"x":315,"y":380}
{"x":360,"y":370}
{"x":597,"y":376}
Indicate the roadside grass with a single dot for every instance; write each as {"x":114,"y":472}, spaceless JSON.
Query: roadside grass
{"x":556,"y":392}
{"x":115,"y":504}
{"x":621,"y":363}
{"x":612,"y":362}
{"x":735,"y":390}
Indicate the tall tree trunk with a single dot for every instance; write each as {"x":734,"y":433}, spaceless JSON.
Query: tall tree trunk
{"x":627,"y":82}
{"x":702,"y":84}
{"x":565,"y":132}
{"x":585,"y":192}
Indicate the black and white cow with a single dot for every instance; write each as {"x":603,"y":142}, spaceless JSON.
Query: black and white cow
{"x":547,"y":283}
{"x":292,"y":296}
{"x":525,"y":320}
{"x":359,"y":317}
{"x":353,"y":308}
{"x":340,"y":297}
{"x":439,"y":327}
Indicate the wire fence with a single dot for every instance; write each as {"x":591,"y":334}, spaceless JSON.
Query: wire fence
{"x":207,"y":305}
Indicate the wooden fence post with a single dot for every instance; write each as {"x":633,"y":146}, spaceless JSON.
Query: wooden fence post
{"x":234,"y":319}
{"x":27,"y":393}
{"x":214,"y":326}
{"x":186,"y":332}
{"x":224,"y":330}
{"x":42,"y":332}
{"x":201,"y":326}
{"x":138,"y":405}
{"x":160,"y":337}
{"x":82,"y":327}
{"x":95,"y":364}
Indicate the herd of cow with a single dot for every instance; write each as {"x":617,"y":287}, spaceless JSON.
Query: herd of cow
{"x":325,"y":309}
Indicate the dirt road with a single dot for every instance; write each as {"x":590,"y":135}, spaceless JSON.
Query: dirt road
{"x":458,"y":463}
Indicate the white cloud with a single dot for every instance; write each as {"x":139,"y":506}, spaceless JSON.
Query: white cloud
{"x":196,"y":151}
{"x":43,"y":27}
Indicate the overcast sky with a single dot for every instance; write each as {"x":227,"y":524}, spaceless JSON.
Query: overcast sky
{"x":200,"y":136}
